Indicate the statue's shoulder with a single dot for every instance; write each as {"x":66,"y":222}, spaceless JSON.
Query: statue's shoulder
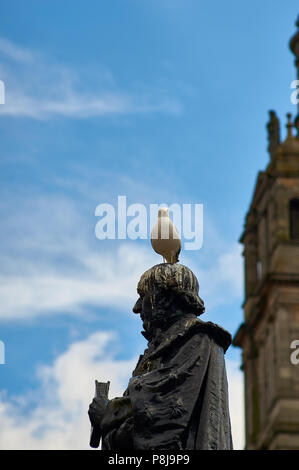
{"x":222,"y":337}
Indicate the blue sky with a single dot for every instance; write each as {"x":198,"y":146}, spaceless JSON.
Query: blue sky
{"x":161,"y":101}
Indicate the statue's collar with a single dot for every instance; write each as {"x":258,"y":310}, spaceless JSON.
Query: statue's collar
{"x":163,"y":338}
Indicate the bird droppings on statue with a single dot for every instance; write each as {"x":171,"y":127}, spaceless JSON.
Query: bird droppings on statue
{"x":165,"y":238}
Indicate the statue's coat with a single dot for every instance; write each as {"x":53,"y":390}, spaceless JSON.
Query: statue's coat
{"x":177,"y":397}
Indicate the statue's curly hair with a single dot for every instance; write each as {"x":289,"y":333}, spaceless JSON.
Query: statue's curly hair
{"x":177,"y":279}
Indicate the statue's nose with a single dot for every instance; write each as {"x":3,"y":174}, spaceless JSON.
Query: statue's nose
{"x":138,"y":306}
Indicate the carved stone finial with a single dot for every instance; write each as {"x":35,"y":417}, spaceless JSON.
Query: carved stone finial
{"x":294,"y":42}
{"x":291,"y":143}
{"x":273,"y":133}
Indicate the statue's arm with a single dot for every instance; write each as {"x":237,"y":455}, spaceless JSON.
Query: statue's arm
{"x":116,"y":412}
{"x":97,"y":410}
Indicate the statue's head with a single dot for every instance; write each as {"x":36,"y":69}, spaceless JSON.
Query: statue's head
{"x":167,"y":291}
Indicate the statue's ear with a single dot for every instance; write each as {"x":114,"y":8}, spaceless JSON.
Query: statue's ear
{"x":164,"y":298}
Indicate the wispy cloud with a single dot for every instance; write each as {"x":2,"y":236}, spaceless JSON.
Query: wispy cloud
{"x":107,"y":280}
{"x":50,"y":266}
{"x":15,"y":52}
{"x":49,"y":263}
{"x":46,"y":90}
{"x":81,"y":105}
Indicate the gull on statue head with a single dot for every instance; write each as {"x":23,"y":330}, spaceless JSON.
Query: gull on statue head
{"x":165,"y":238}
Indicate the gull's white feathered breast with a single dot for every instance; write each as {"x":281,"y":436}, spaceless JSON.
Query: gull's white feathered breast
{"x":165,"y":238}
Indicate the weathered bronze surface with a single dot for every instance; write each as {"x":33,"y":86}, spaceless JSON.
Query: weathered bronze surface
{"x":177,"y":397}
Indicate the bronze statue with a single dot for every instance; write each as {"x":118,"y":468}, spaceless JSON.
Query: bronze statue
{"x":177,"y":397}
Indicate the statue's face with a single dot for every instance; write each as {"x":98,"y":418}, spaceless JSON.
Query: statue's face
{"x":149,"y":305}
{"x":144,"y":307}
{"x":157,"y":308}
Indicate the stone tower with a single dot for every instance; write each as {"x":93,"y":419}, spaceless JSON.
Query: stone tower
{"x":271,"y":306}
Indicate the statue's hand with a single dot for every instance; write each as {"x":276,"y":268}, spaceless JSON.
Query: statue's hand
{"x":97,"y":410}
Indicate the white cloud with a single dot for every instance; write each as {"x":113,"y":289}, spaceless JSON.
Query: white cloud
{"x":111,"y":281}
{"x":220,"y":274}
{"x":59,"y":418}
{"x":49,"y":265}
{"x":236,"y":403}
{"x":227,"y":271}
{"x":44,"y":91}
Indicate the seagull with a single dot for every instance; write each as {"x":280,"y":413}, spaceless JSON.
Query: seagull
{"x":165,"y":238}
